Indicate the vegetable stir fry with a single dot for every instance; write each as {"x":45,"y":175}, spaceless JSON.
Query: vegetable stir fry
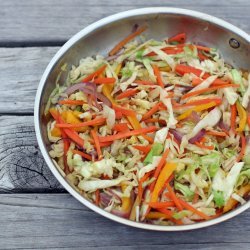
{"x":156,"y":132}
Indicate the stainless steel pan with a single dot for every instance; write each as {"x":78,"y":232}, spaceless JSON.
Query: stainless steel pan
{"x":100,"y":37}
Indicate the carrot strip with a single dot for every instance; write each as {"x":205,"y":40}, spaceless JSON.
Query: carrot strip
{"x":194,"y":210}
{"x":243,"y":147}
{"x":126,"y":40}
{"x":123,"y":135}
{"x":216,"y":133}
{"x":144,"y":82}
{"x":121,"y":127}
{"x":180,"y":38}
{"x":206,"y":49}
{"x":127,"y":93}
{"x":201,"y":56}
{"x":166,"y":212}
{"x":105,"y":144}
{"x":162,"y":204}
{"x":158,"y":76}
{"x":144,"y":149}
{"x":97,"y":144}
{"x":84,"y":155}
{"x":201,"y":91}
{"x":96,"y":121}
{"x":174,"y":197}
{"x":198,"y":102}
{"x":204,"y":146}
{"x":196,"y":197}
{"x":71,"y":102}
{"x":233,"y":117}
{"x":157,"y":215}
{"x":94,"y":74}
{"x":184,"y":69}
{"x":127,"y":112}
{"x":216,"y":82}
{"x":104,"y":80}
{"x":97,"y":197}
{"x":151,"y":112}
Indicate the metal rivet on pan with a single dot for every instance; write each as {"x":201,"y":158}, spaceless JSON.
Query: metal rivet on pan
{"x":234,"y":43}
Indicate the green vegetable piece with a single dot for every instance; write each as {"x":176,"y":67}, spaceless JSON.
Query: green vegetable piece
{"x":156,"y":150}
{"x":181,"y":214}
{"x":238,"y":80}
{"x":219,"y":198}
{"x":139,"y":54}
{"x":212,"y":162}
{"x":185,"y":190}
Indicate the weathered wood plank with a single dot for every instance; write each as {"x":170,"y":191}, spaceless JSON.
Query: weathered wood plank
{"x":48,"y":221}
{"x":22,"y":167}
{"x":21,"y":70}
{"x":55,"y":21}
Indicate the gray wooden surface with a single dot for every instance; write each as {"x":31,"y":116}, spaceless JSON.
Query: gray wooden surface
{"x":35,"y":211}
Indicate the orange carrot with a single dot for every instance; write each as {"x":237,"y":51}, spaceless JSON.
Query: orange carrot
{"x":105,"y":144}
{"x":201,"y":91}
{"x":144,"y":149}
{"x":96,"y":121}
{"x":94,"y":74}
{"x":127,"y":93}
{"x":104,"y":80}
{"x":167,"y":50}
{"x":194,"y":210}
{"x":243,"y":147}
{"x":216,"y":82}
{"x":84,"y":155}
{"x":158,"y":76}
{"x":141,"y":181}
{"x":216,"y":133}
{"x":184,"y":69}
{"x":196,"y":197}
{"x":71,"y":102}
{"x":143,"y":82}
{"x":148,"y":138}
{"x":180,"y":38}
{"x":233,"y":117}
{"x":127,"y":112}
{"x":120,"y":127}
{"x":206,"y":49}
{"x":174,"y":197}
{"x":198,"y":102}
{"x":151,"y":111}
{"x":162,"y":204}
{"x":201,"y":56}
{"x":126,"y":40}
{"x":123,"y":135}
{"x":204,"y":146}
{"x":97,"y":144}
{"x":166,"y":212}
{"x":74,"y":137}
{"x":97,"y":197}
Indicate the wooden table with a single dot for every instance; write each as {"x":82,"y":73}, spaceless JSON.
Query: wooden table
{"x":35,"y":211}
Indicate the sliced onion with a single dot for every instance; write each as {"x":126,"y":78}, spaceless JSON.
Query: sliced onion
{"x":120,"y":213}
{"x":197,"y":137}
{"x":105,"y":199}
{"x":177,"y":135}
{"x":223,"y":126}
{"x":90,"y":89}
{"x":110,"y":58}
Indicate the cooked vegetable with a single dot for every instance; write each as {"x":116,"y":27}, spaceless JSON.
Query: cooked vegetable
{"x":157,"y":132}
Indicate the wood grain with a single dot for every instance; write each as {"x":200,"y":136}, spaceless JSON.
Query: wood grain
{"x":21,"y":70}
{"x":22,"y":168}
{"x":53,"y":22}
{"x":53,"y":221}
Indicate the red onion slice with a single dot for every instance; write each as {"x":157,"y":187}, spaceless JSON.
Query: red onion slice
{"x":197,"y":137}
{"x":177,"y":135}
{"x":120,"y":213}
{"x":105,"y":199}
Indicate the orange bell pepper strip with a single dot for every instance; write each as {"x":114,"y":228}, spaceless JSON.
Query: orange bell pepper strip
{"x":243,"y":117}
{"x":165,"y":173}
{"x":197,"y":109}
{"x":126,"y":201}
{"x":231,"y":203}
